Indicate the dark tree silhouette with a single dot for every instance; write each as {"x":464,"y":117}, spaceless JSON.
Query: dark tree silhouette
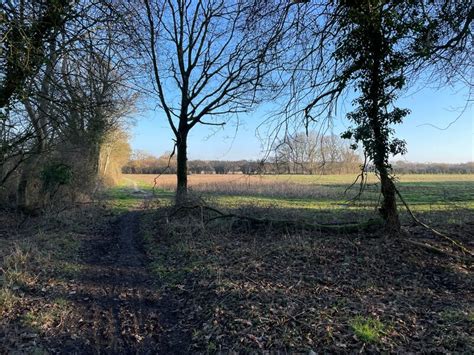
{"x":209,"y":59}
{"x":377,"y":48}
{"x":26,"y":29}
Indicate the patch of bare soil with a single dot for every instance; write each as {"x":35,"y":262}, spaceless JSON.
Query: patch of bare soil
{"x":114,"y":296}
{"x":108,"y":304}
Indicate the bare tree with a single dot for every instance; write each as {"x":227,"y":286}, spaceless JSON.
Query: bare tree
{"x":115,"y":153}
{"x":302,"y":153}
{"x":209,"y":60}
{"x":38,"y":110}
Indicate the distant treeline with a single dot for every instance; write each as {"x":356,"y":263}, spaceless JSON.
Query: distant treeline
{"x":153,"y":165}
{"x":160,"y":166}
{"x":402,"y":167}
{"x":142,"y":163}
{"x":295,"y":154}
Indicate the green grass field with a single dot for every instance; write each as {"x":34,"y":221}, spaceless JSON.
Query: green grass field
{"x":325,"y":198}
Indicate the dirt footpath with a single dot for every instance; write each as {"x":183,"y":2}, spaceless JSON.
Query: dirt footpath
{"x":121,"y":310}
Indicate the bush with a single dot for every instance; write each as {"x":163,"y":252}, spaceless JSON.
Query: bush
{"x":55,"y":175}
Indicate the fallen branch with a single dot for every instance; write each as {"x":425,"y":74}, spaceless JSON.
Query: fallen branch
{"x":431,"y":248}
{"x":434,"y":231}
{"x":348,"y":227}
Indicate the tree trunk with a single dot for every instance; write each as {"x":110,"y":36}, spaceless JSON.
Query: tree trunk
{"x":94,"y":156}
{"x":39,"y":119}
{"x":22,"y":194}
{"x":33,"y":163}
{"x":182,"y":167}
{"x":28,"y":171}
{"x":388,"y":209}
{"x":106,"y":163}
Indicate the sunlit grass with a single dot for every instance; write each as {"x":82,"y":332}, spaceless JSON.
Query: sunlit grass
{"x":121,"y":198}
{"x":8,"y":299}
{"x":49,"y":316}
{"x":308,"y":194}
{"x":147,"y":180}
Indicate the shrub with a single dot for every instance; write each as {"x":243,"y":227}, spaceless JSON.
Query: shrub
{"x":55,"y":175}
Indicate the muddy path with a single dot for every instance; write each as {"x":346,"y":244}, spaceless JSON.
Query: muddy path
{"x":118,"y":308}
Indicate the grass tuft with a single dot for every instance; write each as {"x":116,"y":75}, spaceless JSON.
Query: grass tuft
{"x":50,"y":316}
{"x":368,"y":330}
{"x":17,"y":267}
{"x":8,"y":300}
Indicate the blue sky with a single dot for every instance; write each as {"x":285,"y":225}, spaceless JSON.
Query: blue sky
{"x":438,"y":107}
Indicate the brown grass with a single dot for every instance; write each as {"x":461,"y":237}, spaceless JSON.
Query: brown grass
{"x":168,"y":181}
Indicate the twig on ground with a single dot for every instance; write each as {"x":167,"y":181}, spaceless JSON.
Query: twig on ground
{"x":431,"y":248}
{"x":431,"y":229}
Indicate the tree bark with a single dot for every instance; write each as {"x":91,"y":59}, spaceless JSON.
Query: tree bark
{"x":28,"y":173}
{"x":182,"y":166}
{"x":22,"y":194}
{"x":106,"y":163}
{"x":31,"y":165}
{"x":389,"y":209}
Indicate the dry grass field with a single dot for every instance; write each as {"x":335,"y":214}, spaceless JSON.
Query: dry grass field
{"x":168,"y":181}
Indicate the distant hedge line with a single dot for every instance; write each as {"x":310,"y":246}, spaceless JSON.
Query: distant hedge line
{"x":254,"y":167}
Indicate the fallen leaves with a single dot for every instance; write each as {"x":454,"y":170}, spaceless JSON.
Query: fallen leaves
{"x":298,"y":292}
